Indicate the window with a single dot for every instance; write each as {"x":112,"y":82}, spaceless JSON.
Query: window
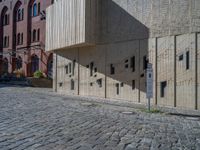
{"x":145,"y":62}
{"x":73,"y":70}
{"x":5,"y":42}
{"x":34,"y":35}
{"x":70,"y":68}
{"x":133,"y":84}
{"x":112,"y":69}
{"x":38,"y":35}
{"x":95,"y":70}
{"x":99,"y":82}
{"x":8,"y":41}
{"x":38,"y":8}
{"x":60,"y":84}
{"x":117,"y":88}
{"x":187,"y":60}
{"x":163,"y":86}
{"x":22,"y":14}
{"x":126,"y":63}
{"x":22,"y":38}
{"x":6,"y":19}
{"x":66,"y":69}
{"x":34,"y":9}
{"x":18,"y":38}
{"x":180,"y":58}
{"x":91,"y":68}
{"x":122,"y":84}
{"x":19,"y":15}
{"x":133,"y":63}
{"x":72,"y":84}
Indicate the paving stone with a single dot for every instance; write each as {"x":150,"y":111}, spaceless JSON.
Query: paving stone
{"x":34,"y":118}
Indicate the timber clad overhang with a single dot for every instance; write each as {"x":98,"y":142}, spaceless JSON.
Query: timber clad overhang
{"x":70,"y":23}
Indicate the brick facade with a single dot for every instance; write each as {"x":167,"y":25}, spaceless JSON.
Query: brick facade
{"x":22,"y":36}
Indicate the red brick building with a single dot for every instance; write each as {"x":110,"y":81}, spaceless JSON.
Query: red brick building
{"x":22,"y":36}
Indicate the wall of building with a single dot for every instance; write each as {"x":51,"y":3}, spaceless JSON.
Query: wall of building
{"x":25,"y":27}
{"x":165,"y":32}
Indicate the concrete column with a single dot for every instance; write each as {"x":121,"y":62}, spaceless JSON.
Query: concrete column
{"x":196,"y":71}
{"x":156,"y":71}
{"x":175,"y":71}
{"x":78,"y":72}
{"x":55,"y":66}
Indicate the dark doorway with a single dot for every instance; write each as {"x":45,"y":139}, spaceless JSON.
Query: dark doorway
{"x":34,"y":63}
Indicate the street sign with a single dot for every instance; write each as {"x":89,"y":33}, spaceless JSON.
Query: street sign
{"x":149,"y":85}
{"x":149,"y":81}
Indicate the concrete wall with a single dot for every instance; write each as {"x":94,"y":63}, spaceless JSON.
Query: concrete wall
{"x":165,"y":69}
{"x":67,"y":24}
{"x":166,"y":32}
{"x":185,"y":77}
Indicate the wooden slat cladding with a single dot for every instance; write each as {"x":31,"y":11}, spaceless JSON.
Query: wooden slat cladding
{"x":67,"y":23}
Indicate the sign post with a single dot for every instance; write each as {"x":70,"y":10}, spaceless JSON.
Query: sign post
{"x":149,"y":85}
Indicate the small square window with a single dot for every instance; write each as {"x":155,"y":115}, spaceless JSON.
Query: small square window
{"x":95,"y":69}
{"x":163,"y":87}
{"x":66,"y":69}
{"x":133,"y":84}
{"x":60,"y":84}
{"x":187,"y":60}
{"x":72,"y":85}
{"x":117,"y":88}
{"x":133,"y":63}
{"x":180,"y":58}
{"x":122,"y":84}
{"x":112,"y":69}
{"x":99,"y":82}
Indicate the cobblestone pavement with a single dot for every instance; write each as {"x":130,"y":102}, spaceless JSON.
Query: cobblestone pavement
{"x":32,"y":118}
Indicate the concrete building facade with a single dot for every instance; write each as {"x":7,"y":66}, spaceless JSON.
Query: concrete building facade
{"x":22,"y":37}
{"x":102,"y":47}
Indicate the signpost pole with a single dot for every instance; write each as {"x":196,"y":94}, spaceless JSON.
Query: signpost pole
{"x":149,"y":105}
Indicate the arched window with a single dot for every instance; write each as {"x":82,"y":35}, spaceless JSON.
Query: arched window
{"x":34,"y":35}
{"x":22,"y":38}
{"x":34,"y":9}
{"x":5,"y":19}
{"x":38,"y":34}
{"x":18,"y":38}
{"x":5,"y":16}
{"x":38,"y":8}
{"x":22,"y":14}
{"x":5,"y":42}
{"x":18,"y":15}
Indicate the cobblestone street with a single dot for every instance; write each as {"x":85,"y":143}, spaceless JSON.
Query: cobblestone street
{"x":32,"y":118}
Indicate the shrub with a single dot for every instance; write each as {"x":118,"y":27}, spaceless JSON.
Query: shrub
{"x":38,"y":74}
